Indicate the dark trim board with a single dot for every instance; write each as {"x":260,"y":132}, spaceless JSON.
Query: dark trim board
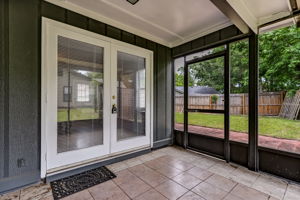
{"x":3,"y":82}
{"x":241,"y":157}
{"x":214,"y":146}
{"x":253,"y":103}
{"x":178,"y":138}
{"x":162,"y":143}
{"x":215,"y":39}
{"x":279,"y":163}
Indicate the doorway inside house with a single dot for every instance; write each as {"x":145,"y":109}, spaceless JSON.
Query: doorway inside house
{"x":97,"y":99}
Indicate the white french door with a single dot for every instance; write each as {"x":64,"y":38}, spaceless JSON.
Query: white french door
{"x":130,"y":87}
{"x":96,"y":97}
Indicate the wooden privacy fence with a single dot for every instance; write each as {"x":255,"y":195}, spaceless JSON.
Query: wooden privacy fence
{"x":291,"y":107}
{"x":269,"y":103}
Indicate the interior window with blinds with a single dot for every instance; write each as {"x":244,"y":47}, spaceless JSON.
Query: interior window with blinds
{"x":131,"y":79}
{"x":79,"y":95}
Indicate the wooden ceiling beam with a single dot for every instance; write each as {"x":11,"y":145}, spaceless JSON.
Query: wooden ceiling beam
{"x":229,"y":12}
{"x":295,"y":7}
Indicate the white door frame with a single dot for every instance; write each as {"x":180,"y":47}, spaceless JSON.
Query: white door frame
{"x":134,"y":142}
{"x":48,"y":24}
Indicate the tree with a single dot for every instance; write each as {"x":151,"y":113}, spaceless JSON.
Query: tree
{"x":179,"y":78}
{"x":239,"y":59}
{"x":209,"y":73}
{"x":279,"y":63}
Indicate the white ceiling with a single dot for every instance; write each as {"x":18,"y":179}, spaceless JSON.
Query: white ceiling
{"x":173,"y":22}
{"x":258,"y":12}
{"x":267,"y":8}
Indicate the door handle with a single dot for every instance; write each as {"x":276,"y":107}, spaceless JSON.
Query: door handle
{"x":114,"y":109}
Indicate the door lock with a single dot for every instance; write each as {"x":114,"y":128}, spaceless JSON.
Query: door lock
{"x":114,"y":109}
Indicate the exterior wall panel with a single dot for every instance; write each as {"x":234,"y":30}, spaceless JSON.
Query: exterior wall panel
{"x":20,"y":143}
{"x":161,"y":94}
{"x":209,"y":39}
{"x":2,"y":84}
{"x":77,"y":20}
{"x":24,"y":87}
{"x":169,"y":93}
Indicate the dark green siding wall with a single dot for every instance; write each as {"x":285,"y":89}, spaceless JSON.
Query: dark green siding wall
{"x":20,"y":84}
{"x":2,"y":85}
{"x":20,"y":92}
{"x":204,"y":41}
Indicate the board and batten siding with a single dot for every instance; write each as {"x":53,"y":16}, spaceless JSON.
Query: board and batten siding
{"x":20,"y":93}
{"x":20,"y":84}
{"x":205,"y":41}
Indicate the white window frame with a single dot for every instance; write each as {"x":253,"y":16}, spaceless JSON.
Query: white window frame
{"x":83,"y":92}
{"x":141,"y":102}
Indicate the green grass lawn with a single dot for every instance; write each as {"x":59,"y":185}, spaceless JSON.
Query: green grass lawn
{"x":268,"y":126}
{"x":77,"y":114}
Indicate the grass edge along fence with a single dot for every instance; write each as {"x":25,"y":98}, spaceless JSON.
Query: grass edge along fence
{"x":269,"y":103}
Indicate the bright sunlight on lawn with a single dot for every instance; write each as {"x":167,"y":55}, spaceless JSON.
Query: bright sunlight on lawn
{"x":268,"y":126}
{"x":77,"y":114}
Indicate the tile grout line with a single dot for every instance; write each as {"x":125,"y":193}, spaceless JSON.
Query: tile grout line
{"x":168,"y":179}
{"x":19,"y":194}
{"x":287,"y":185}
{"x":122,"y":190}
{"x":185,"y":171}
{"x":231,"y":190}
{"x":191,"y":190}
{"x":142,"y":181}
{"x":152,"y":187}
{"x":90,"y":193}
{"x":144,"y":192}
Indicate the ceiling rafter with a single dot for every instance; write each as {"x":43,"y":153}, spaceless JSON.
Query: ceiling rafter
{"x":294,"y":6}
{"x":229,"y":12}
{"x":244,"y":12}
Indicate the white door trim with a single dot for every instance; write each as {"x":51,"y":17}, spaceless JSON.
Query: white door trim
{"x":46,"y":24}
{"x":130,"y":143}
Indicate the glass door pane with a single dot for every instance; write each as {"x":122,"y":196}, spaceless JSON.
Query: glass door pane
{"x":131,"y":100}
{"x":79,"y":95}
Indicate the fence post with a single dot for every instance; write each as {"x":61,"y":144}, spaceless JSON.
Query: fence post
{"x":243,"y":110}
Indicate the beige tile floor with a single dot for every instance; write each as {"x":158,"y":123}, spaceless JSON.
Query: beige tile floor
{"x":174,"y":173}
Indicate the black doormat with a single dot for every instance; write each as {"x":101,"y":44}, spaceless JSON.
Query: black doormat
{"x":72,"y":184}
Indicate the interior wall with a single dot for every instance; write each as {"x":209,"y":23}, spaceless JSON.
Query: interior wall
{"x":20,"y":86}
